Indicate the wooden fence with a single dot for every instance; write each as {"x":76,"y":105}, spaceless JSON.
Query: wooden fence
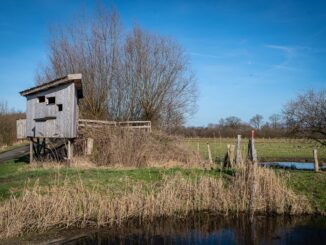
{"x":86,"y":123}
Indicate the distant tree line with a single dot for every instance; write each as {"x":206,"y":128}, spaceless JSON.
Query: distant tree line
{"x":232,"y":126}
{"x":303,"y":117}
{"x":8,"y":119}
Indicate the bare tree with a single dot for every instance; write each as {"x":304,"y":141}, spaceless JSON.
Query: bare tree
{"x":133,"y":76}
{"x":91,"y":47}
{"x":159,"y":79}
{"x":275,"y":120}
{"x":305,"y":116}
{"x":232,"y":122}
{"x":256,"y":121}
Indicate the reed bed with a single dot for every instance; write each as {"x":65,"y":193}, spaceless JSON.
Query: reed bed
{"x":136,"y":148}
{"x":72,"y":205}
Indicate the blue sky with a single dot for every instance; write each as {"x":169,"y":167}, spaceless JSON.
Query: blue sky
{"x":248,"y":56}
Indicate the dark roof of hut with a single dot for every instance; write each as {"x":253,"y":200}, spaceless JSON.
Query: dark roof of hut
{"x":70,"y":78}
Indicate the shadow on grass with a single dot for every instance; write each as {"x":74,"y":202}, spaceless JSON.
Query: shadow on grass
{"x":226,"y":171}
{"x":22,"y":159}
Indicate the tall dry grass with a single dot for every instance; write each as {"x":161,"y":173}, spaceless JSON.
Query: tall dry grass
{"x":8,"y":128}
{"x":137,"y":148}
{"x":39,"y":209}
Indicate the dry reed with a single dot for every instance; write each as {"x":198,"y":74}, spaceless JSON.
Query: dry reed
{"x":39,"y":209}
{"x":136,"y":148}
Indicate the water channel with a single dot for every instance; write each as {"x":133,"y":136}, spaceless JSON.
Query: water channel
{"x":204,"y":228}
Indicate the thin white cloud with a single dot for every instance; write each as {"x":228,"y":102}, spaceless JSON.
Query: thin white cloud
{"x":286,"y":49}
{"x":204,"y":55}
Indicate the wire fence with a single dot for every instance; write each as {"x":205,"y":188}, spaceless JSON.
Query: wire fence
{"x":274,"y":149}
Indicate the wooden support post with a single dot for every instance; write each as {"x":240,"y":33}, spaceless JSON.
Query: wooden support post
{"x":316,"y":160}
{"x":30,"y":150}
{"x":70,"y":150}
{"x":239,"y":157}
{"x":209,"y":154}
{"x":89,"y":147}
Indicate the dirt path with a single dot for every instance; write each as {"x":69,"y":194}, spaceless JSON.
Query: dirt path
{"x":14,"y":153}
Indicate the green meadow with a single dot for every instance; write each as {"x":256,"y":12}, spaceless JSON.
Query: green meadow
{"x":15,"y":175}
{"x":267,"y":149}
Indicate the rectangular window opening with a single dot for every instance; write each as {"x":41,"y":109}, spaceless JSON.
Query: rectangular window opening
{"x":41,"y":99}
{"x":59,"y":107}
{"x":51,"y":100}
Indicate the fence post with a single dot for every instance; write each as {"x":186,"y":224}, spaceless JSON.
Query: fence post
{"x":252,"y":153}
{"x":89,"y":146}
{"x":232,"y":151}
{"x":209,"y":154}
{"x":239,"y":157}
{"x":316,"y":160}
{"x":229,"y":157}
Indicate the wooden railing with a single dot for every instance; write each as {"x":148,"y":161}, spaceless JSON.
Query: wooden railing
{"x":84,"y":123}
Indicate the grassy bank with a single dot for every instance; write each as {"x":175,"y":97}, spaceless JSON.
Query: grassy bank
{"x":107,"y":196}
{"x":14,"y":175}
{"x":267,"y":149}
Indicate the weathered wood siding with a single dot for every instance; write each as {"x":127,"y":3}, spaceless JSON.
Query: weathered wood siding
{"x":21,"y":128}
{"x":45,"y":120}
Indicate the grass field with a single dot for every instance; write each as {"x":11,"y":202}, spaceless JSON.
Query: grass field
{"x":15,"y":175}
{"x":267,"y":149}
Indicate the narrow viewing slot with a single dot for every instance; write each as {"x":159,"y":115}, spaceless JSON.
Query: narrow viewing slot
{"x":41,"y":99}
{"x":51,"y":100}
{"x":59,"y":107}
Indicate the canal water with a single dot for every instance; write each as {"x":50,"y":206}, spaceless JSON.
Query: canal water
{"x":292,"y":165}
{"x":200,"y":229}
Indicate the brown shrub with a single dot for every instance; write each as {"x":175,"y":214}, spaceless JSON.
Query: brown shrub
{"x":8,"y":128}
{"x":136,"y":148}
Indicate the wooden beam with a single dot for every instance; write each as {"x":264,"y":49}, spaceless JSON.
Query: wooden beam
{"x":86,"y":123}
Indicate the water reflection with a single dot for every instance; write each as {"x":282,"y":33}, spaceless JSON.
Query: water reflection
{"x":210,"y":229}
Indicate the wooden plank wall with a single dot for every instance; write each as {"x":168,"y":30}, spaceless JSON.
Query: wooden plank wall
{"x":21,"y":128}
{"x":56,"y":124}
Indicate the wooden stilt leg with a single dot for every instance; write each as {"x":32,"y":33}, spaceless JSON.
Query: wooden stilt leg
{"x":30,"y":151}
{"x":70,"y":149}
